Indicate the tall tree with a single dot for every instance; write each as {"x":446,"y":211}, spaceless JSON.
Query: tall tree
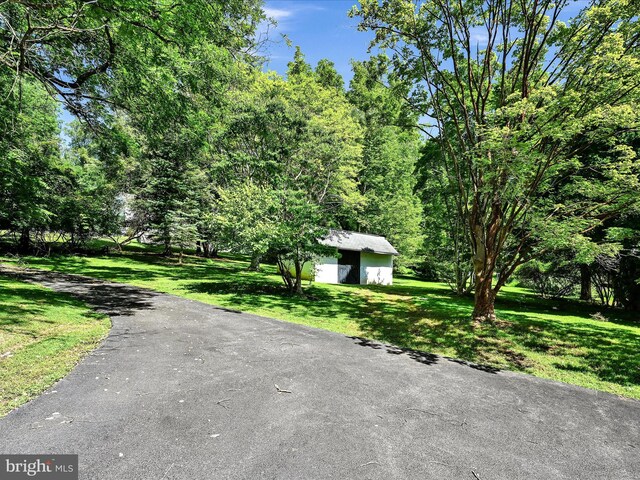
{"x":298,"y":67}
{"x":164,"y":66}
{"x":175,"y":95}
{"x":29,"y":159}
{"x":328,"y":76}
{"x":513,"y":94}
{"x":295,"y":145}
{"x":391,"y":148}
{"x":446,"y":248}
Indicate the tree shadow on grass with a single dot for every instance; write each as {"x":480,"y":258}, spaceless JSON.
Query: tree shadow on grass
{"x":508,"y":299}
{"x":255,"y":292}
{"x":436,"y":324}
{"x":431,"y":319}
{"x":414,"y":316}
{"x":610,"y":354}
{"x":18,"y":303}
{"x":111,"y":300}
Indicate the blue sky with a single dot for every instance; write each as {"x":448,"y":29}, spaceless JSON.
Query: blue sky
{"x":321,"y":28}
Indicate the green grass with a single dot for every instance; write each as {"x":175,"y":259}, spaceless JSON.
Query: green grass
{"x":43,"y":335}
{"x":551,"y":339}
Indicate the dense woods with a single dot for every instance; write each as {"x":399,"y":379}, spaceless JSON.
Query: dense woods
{"x":511,"y":159}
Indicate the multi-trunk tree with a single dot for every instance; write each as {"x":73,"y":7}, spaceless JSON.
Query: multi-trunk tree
{"x":513,"y":92}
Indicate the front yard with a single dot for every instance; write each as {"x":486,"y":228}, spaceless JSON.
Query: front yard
{"x":551,"y":339}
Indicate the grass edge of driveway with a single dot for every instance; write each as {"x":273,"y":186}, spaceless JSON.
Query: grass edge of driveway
{"x":43,"y":335}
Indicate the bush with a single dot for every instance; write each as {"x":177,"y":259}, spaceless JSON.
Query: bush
{"x":550,"y":279}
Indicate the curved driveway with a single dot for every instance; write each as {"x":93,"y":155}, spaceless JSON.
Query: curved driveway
{"x":184,"y":390}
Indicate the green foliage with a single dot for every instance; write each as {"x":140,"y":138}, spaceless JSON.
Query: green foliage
{"x":147,"y":78}
{"x":515,"y":114}
{"x":77,"y":49}
{"x":261,"y":220}
{"x":247,"y":218}
{"x":390,"y":152}
{"x":446,"y":251}
{"x":552,"y":278}
{"x":182,"y":229}
{"x":291,"y":155}
{"x":298,"y":67}
{"x":29,"y":156}
{"x":328,"y":76}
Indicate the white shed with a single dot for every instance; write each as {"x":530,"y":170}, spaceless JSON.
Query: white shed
{"x":363,"y":259}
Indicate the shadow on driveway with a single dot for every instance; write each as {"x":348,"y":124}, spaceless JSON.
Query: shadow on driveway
{"x":110,"y":299}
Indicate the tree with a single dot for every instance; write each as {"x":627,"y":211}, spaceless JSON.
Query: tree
{"x":391,"y":149}
{"x":299,"y":67}
{"x":182,"y":229}
{"x":615,"y":269}
{"x":626,"y":232}
{"x":160,"y":68}
{"x":328,"y":76}
{"x":74,"y":48}
{"x":175,"y":96}
{"x":446,"y":251}
{"x":29,"y":159}
{"x":512,"y":111}
{"x":550,"y":276}
{"x":245,"y":218}
{"x":295,"y":144}
{"x":258,"y":220}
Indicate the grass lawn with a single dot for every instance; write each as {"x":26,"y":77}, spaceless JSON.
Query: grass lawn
{"x":557,"y":340}
{"x":43,"y":335}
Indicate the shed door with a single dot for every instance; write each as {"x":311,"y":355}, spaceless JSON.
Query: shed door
{"x":349,"y":267}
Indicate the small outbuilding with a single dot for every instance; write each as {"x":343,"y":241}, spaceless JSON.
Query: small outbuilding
{"x":362,"y":259}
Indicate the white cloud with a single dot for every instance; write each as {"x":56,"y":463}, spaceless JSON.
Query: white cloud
{"x":479,"y":35}
{"x":277,"y":13}
{"x":479,"y":38}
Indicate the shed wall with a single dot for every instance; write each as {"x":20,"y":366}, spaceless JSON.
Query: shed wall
{"x":326,"y":270}
{"x":376,"y":269}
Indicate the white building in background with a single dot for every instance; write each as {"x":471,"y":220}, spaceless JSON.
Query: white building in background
{"x":363,"y":259}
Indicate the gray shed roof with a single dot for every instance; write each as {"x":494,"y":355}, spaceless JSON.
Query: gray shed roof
{"x":358,"y":242}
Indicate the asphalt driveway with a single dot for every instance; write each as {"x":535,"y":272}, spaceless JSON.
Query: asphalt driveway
{"x":185,"y":390}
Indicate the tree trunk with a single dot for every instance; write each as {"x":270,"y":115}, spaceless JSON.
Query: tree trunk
{"x":485,"y":297}
{"x":25,"y":240}
{"x":167,"y":246}
{"x":585,"y":283}
{"x":483,"y":268}
{"x":285,"y":274}
{"x":486,"y":241}
{"x":180,"y":257}
{"x":210,"y":251}
{"x":298,"y":284}
{"x":255,"y":262}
